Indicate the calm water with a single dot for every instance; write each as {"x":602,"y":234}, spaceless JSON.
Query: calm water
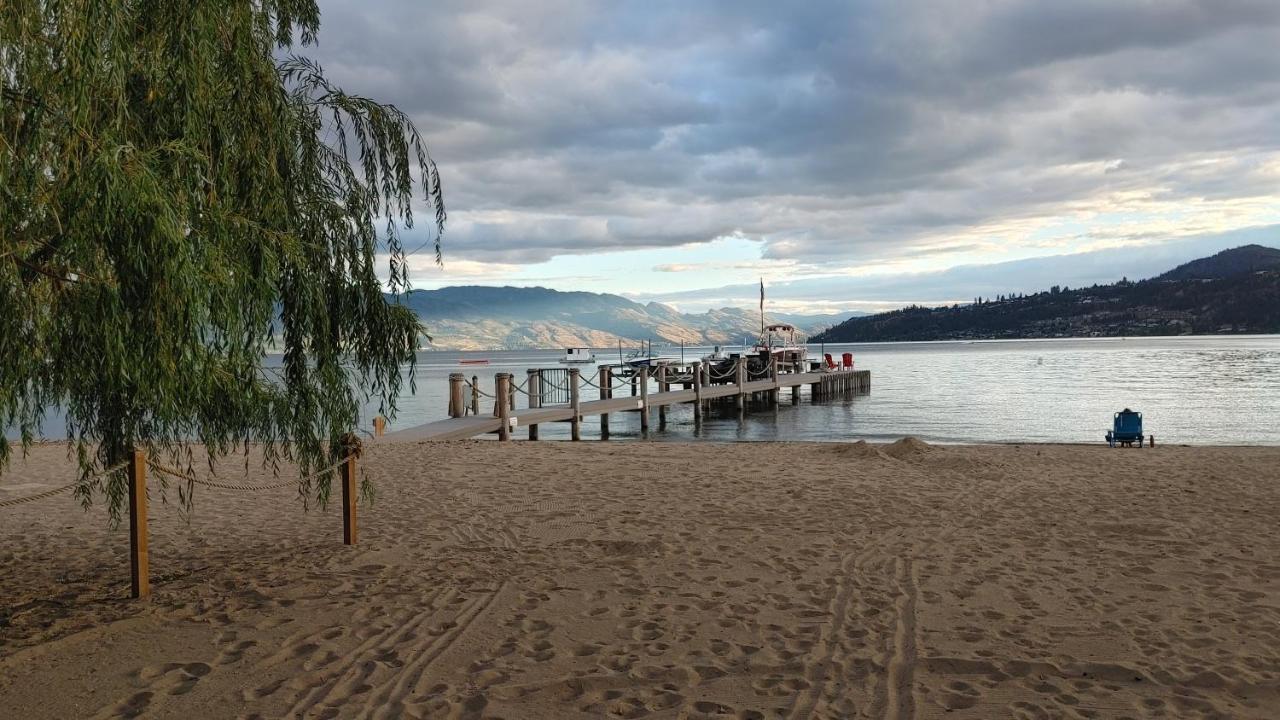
{"x":1193,"y":390}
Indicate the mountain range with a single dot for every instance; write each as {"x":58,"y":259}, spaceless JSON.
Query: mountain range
{"x":1234,"y":291}
{"x":475,"y":317}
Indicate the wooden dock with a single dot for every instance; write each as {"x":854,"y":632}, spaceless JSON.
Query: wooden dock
{"x":701,"y":384}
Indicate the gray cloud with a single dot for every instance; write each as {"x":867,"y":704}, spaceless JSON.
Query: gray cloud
{"x":965,"y":282}
{"x":836,"y":132}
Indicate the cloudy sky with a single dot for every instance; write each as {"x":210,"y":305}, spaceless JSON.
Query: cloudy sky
{"x":857,"y":154}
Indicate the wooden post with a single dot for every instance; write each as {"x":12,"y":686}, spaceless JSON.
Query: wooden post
{"x":575,"y":423}
{"x":502,"y":388}
{"x":457,"y":406}
{"x":606,"y":391}
{"x":742,"y":381}
{"x":533,"y":381}
{"x":696,"y":371}
{"x":380,"y":423}
{"x":139,"y":561}
{"x":775,"y":366}
{"x":662,"y":387}
{"x":475,"y":395}
{"x":643,"y":379}
{"x":349,"y":491}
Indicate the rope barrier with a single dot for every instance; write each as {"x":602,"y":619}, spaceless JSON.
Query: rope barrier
{"x":58,"y":491}
{"x":181,"y":475}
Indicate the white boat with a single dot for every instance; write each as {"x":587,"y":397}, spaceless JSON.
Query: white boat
{"x":779,"y":341}
{"x":578,"y":355}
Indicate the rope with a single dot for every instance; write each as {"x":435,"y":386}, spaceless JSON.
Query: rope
{"x":720,"y":376}
{"x":546,"y":382}
{"x":58,"y":491}
{"x":181,"y":475}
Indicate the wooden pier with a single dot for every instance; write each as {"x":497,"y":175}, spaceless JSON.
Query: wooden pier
{"x":554,"y":395}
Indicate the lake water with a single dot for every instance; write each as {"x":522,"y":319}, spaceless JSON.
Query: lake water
{"x":1191,"y":390}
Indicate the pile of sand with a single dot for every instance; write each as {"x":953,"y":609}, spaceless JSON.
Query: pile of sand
{"x":908,"y":448}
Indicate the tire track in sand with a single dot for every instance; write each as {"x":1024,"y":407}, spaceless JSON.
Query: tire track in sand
{"x":391,"y":702}
{"x":819,"y":675}
{"x":901,"y":680}
{"x":356,"y":667}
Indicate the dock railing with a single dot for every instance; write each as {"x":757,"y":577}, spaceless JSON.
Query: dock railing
{"x":556,"y":394}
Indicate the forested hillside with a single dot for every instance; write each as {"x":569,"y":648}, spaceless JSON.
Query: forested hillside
{"x":1226,"y":293}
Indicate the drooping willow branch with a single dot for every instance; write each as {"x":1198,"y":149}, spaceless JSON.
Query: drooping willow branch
{"x":180,"y":194}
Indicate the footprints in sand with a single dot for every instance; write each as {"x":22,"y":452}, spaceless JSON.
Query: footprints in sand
{"x":160,"y":681}
{"x":940,"y":587}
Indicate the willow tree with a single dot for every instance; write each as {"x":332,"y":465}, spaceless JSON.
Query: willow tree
{"x":179,"y":195}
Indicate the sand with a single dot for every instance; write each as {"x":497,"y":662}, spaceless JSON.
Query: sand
{"x":630,"y":580}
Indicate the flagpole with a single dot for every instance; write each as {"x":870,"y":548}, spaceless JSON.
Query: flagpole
{"x":762,"y":307}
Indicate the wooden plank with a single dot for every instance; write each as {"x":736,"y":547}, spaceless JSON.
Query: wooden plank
{"x":452,"y":429}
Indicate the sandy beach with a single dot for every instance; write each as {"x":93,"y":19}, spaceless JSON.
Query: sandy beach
{"x":646,"y":580}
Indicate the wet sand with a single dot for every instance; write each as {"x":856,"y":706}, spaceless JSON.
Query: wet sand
{"x":701,"y":580}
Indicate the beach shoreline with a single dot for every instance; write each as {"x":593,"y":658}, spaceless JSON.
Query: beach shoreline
{"x":667,"y":580}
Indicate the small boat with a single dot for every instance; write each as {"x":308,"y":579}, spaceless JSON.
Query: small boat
{"x":641,"y":357}
{"x":716,"y":355}
{"x":473,"y":362}
{"x":578,"y":355}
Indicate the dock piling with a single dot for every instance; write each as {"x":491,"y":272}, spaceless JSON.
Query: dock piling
{"x":742,"y":383}
{"x":696,"y":372}
{"x":662,"y":387}
{"x":457,"y":407}
{"x":606,"y":392}
{"x":533,"y":384}
{"x":642,"y":378}
{"x":576,"y":420}
{"x":502,"y":389}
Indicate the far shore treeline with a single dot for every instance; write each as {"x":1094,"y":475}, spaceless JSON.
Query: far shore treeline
{"x":1236,"y":291}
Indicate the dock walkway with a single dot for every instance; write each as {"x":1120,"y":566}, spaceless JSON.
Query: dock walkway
{"x":825,"y":382}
